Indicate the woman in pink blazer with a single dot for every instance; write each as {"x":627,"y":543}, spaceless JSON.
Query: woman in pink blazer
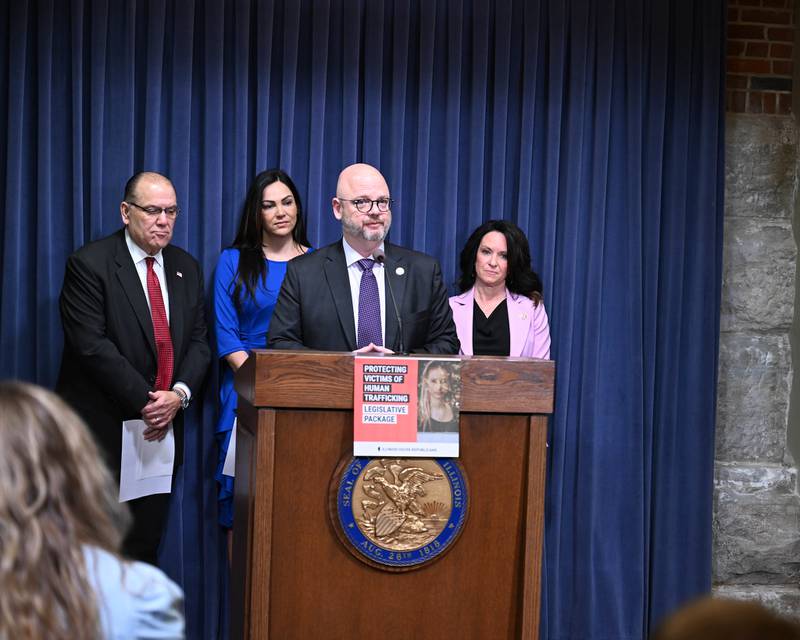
{"x":500,"y":310}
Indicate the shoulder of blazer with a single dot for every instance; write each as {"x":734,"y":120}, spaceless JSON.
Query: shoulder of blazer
{"x":178,"y":255}
{"x":102,"y":256}
{"x":103,"y":247}
{"x":328,"y":252}
{"x":462,"y":298}
{"x":397,"y":253}
{"x":520,"y":300}
{"x":313,"y":260}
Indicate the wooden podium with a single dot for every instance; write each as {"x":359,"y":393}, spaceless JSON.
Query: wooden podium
{"x":293,"y":578}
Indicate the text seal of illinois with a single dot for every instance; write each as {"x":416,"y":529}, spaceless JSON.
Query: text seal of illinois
{"x":399,"y":514}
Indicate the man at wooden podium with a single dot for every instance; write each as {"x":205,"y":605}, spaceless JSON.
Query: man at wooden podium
{"x":362,"y":293}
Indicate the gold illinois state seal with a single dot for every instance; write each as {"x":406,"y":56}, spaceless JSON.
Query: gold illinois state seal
{"x":398,"y":514}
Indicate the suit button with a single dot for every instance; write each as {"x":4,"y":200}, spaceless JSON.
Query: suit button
{"x":152,"y":380}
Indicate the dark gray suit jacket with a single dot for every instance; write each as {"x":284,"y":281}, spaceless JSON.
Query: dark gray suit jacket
{"x":109,"y":360}
{"x":315,"y":309}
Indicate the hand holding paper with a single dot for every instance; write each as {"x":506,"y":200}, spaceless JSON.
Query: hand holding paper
{"x":147,"y":465}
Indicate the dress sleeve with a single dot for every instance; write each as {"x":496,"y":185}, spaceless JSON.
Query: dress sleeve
{"x":540,"y":330}
{"x":226,"y":320}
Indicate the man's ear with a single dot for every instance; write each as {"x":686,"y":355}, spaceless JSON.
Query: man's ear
{"x":124,"y":213}
{"x":337,"y":208}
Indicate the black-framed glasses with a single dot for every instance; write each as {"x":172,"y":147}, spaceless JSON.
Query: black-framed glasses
{"x":363,"y":205}
{"x":154,"y":212}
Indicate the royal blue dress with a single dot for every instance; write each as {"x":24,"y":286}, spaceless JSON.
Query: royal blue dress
{"x":238,"y":331}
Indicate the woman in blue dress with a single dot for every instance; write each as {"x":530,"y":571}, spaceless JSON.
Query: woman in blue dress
{"x":249,"y":274}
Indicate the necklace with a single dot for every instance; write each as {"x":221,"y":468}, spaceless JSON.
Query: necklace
{"x":299,"y":250}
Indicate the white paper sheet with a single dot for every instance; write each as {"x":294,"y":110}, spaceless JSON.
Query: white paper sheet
{"x":229,"y":466}
{"x":146,"y":467}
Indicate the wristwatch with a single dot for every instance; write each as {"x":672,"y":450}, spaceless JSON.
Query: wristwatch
{"x":183,"y":397}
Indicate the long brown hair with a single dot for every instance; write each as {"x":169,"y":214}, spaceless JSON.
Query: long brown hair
{"x":56,"y":496}
{"x":521,"y":278}
{"x":252,"y":266}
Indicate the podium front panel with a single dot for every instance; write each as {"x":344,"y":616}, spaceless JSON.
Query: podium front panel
{"x":294,"y":578}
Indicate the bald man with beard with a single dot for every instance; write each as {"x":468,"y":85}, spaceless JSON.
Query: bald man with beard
{"x":318,"y":305}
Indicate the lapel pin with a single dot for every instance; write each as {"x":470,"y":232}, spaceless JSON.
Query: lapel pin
{"x":399,"y":271}
{"x":179,"y":274}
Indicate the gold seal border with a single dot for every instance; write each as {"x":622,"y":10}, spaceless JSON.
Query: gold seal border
{"x":333,"y":514}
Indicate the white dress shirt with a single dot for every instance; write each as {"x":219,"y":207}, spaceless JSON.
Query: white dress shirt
{"x":138,"y":255}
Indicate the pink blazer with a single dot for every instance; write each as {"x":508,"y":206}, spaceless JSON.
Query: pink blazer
{"x":528,"y":325}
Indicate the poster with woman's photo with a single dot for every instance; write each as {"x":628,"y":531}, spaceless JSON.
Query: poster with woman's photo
{"x":439,"y":400}
{"x":406,"y":407}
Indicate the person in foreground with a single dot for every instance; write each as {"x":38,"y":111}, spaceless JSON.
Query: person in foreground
{"x":272,"y":231}
{"x":710,"y":618}
{"x":135,"y":343}
{"x":500,"y":311}
{"x":60,"y":532}
{"x":339,"y":298}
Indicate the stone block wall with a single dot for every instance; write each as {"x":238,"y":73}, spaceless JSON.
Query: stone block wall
{"x":757,"y":507}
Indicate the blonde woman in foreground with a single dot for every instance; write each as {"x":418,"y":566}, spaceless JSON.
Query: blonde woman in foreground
{"x":60,"y":532}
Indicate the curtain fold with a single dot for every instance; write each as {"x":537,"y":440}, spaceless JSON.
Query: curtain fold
{"x":597,"y":127}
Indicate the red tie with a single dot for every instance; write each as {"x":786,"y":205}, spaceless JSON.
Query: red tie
{"x":160,"y":329}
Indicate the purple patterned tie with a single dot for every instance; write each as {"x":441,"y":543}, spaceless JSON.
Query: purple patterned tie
{"x":369,"y":307}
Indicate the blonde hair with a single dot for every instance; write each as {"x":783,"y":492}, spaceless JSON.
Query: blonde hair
{"x":424,"y":407}
{"x":56,"y":496}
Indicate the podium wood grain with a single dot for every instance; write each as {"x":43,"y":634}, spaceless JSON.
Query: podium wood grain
{"x":292,"y":578}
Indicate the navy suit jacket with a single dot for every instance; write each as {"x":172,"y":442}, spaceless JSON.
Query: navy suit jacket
{"x":315,"y":309}
{"x":109,"y":361}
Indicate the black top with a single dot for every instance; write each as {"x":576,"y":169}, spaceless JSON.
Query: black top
{"x":491,"y":336}
{"x":435,"y":425}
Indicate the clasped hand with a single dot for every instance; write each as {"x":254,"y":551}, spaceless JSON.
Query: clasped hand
{"x":374,"y":348}
{"x":159,"y":412}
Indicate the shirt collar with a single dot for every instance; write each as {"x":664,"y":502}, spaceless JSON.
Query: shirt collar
{"x":138,"y":254}
{"x":351,"y":256}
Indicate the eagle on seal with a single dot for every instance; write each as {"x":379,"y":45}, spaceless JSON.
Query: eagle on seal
{"x":402,"y":486}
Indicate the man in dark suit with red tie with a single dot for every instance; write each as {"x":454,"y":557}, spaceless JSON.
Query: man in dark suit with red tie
{"x":135,"y":344}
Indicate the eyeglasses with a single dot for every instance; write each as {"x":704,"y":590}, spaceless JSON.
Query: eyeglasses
{"x":365,"y":206}
{"x":154,"y":212}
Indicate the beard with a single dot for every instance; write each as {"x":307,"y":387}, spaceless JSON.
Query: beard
{"x":359,"y":231}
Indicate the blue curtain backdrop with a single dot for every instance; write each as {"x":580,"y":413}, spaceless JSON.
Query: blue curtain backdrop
{"x":596,"y":126}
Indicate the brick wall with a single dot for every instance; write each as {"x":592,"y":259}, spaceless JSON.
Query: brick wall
{"x":759,"y":58}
